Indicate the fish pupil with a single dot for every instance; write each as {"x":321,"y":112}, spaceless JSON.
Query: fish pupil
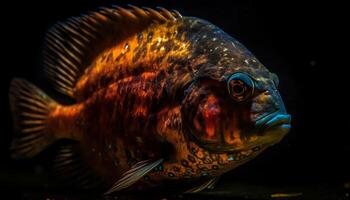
{"x":237,"y":88}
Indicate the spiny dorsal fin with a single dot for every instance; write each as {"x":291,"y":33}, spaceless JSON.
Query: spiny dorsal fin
{"x":71,"y":46}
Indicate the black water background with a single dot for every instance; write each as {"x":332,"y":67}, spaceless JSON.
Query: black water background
{"x":300,"y":42}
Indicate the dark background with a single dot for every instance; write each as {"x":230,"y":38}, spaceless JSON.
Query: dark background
{"x":300,"y":42}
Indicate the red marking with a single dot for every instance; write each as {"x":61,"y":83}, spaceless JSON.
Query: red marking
{"x":196,"y":124}
{"x":210,"y":112}
{"x":140,"y":110}
{"x":235,"y":138}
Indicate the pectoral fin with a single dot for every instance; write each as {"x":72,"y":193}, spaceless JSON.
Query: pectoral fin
{"x":134,"y":174}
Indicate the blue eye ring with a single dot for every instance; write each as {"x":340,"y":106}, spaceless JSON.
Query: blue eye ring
{"x":240,"y":86}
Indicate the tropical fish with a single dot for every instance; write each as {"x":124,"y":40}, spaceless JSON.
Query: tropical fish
{"x":159,"y":99}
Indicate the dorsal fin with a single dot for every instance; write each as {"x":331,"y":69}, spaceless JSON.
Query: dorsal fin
{"x":71,"y":46}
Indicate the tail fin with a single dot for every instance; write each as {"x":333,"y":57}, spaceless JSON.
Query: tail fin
{"x":30,"y":108}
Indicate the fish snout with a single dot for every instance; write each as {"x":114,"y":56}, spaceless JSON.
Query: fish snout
{"x":279,"y":122}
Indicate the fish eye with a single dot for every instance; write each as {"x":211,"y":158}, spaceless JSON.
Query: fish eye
{"x":240,"y":86}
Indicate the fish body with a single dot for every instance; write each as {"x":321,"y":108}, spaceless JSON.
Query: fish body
{"x":159,"y":99}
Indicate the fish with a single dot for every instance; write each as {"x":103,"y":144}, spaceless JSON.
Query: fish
{"x":156,"y":100}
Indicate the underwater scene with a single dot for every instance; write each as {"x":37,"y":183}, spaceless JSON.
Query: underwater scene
{"x":171,"y":100}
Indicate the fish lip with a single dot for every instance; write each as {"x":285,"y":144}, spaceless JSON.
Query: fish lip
{"x":261,"y":119}
{"x":275,"y":119}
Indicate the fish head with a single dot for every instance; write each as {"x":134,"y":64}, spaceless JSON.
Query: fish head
{"x":233,"y":104}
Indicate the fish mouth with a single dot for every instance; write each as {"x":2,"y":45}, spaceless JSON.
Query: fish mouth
{"x":273,"y":127}
{"x":273,"y":120}
{"x":270,"y":129}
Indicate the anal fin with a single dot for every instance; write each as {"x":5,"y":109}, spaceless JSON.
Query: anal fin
{"x":71,"y":170}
